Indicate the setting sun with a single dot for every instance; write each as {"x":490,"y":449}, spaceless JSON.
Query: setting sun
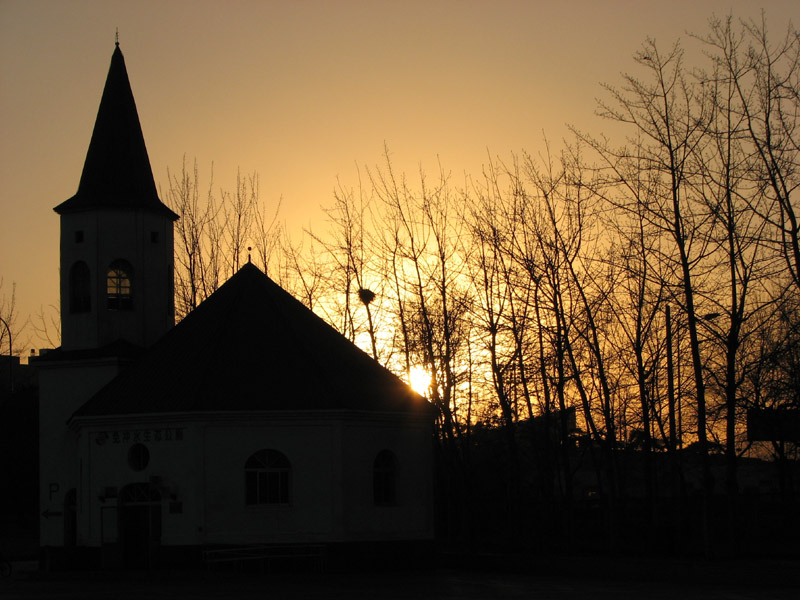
{"x":420,"y":380}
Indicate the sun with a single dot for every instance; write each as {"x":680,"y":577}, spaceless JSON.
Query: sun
{"x":420,"y":380}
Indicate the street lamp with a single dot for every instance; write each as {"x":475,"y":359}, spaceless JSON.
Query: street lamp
{"x":10,"y":355}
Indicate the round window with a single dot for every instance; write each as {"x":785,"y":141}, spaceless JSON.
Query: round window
{"x":138,"y":457}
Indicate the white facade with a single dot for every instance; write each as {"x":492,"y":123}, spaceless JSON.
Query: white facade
{"x":198,"y":467}
{"x":63,"y":388}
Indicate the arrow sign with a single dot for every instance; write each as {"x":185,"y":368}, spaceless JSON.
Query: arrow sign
{"x":51,"y":513}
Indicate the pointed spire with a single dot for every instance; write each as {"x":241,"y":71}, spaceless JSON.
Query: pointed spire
{"x":117,"y":171}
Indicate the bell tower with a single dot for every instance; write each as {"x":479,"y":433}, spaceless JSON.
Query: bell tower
{"x":116,"y":298}
{"x":116,"y":235}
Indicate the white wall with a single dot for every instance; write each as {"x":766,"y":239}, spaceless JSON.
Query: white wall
{"x":331,"y":456}
{"x":175,"y":461}
{"x":63,"y":388}
{"x":314,"y":505}
{"x":412,"y":516}
{"x":110,"y":235}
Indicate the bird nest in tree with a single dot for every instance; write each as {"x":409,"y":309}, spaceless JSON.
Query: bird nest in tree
{"x":366,"y":296}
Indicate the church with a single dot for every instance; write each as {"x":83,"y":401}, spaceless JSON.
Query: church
{"x":251,"y":430}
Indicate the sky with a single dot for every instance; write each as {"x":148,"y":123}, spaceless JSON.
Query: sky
{"x":304,"y":93}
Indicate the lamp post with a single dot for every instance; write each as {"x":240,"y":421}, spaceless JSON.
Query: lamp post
{"x":10,"y":355}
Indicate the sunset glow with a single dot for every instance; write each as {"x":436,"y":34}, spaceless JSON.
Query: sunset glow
{"x":301,"y":93}
{"x":420,"y":380}
{"x":565,"y":227}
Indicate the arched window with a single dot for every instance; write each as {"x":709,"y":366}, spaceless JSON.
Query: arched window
{"x":80,"y":298}
{"x":384,"y":478}
{"x":267,"y":475}
{"x":120,"y":285}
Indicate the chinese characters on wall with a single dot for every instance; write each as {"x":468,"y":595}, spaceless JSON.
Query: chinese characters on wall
{"x":125,"y":436}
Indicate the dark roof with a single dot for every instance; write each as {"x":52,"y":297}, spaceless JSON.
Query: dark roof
{"x":117,"y":171}
{"x":252,"y":346}
{"x":120,"y":349}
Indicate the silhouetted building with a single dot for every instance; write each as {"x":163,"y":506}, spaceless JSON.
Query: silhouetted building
{"x":249,"y":427}
{"x":19,"y":455}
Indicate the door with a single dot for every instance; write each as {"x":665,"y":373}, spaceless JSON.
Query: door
{"x":139,"y":525}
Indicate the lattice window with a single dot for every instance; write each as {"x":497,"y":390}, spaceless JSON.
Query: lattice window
{"x":120,"y":285}
{"x":267,"y":475}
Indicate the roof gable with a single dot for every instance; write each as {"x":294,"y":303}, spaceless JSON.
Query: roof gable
{"x":252,"y":346}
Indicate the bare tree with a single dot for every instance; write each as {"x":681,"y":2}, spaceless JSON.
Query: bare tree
{"x":421,"y":239}
{"x":215,"y":232}
{"x":670,"y":117}
{"x":765,"y":79}
{"x":47,"y":326}
{"x":355,"y":273}
{"x":735,"y":198}
{"x":10,"y":328}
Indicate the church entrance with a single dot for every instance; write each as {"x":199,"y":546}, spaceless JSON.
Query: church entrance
{"x":139,"y":507}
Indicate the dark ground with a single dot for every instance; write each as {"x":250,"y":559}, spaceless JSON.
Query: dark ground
{"x":561,"y":579}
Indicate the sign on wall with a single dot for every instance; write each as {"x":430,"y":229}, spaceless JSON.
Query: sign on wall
{"x":126,"y":436}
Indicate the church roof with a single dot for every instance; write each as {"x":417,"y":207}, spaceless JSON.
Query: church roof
{"x":117,"y":172}
{"x":122,"y":350}
{"x":252,"y":346}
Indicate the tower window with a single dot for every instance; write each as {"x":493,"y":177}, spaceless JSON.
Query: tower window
{"x":154,"y":237}
{"x":119,"y":286}
{"x":79,"y":236}
{"x":80,"y":299}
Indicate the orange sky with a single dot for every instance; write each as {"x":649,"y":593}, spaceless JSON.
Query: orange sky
{"x":302,"y":92}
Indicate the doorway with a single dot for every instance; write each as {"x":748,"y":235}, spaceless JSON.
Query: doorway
{"x":139,"y":509}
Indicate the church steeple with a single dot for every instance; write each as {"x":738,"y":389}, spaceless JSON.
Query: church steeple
{"x":117,"y":172}
{"x":116,"y":234}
